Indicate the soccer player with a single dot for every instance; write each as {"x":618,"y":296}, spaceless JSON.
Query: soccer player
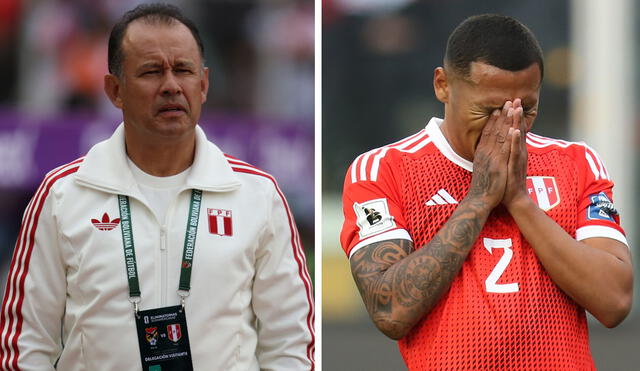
{"x":476,"y":243}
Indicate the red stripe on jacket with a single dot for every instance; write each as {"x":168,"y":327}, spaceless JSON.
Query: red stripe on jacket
{"x":295,"y":244}
{"x":18,"y":271}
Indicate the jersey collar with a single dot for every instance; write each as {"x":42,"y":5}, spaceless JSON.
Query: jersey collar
{"x":434,"y":132}
{"x":105,"y":167}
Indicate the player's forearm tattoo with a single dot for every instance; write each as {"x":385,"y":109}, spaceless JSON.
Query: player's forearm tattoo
{"x":480,"y":183}
{"x":399,"y":286}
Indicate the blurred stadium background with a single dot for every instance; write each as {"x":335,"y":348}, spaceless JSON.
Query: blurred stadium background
{"x":378,"y":58}
{"x":260,"y":108}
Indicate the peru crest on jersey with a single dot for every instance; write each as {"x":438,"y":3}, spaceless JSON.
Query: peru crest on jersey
{"x":220,"y":222}
{"x":544,"y":191}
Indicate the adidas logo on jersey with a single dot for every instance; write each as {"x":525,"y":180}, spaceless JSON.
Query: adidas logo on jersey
{"x":441,"y":198}
{"x":105,"y":224}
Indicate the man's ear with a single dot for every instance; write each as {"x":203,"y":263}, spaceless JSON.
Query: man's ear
{"x":441,"y":84}
{"x":112,"y":88}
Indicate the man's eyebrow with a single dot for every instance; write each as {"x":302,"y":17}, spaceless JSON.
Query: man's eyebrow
{"x":185,"y":64}
{"x":149,"y":65}
{"x":153,"y":64}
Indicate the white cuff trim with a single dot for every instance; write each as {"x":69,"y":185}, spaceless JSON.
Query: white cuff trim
{"x":600,"y":231}
{"x":391,"y":235}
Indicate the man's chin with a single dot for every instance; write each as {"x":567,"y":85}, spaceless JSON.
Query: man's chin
{"x":172,"y":126}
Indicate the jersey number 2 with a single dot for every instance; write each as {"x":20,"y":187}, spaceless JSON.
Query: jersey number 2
{"x":491,"y":284}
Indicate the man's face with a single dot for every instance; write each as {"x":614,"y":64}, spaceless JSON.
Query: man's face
{"x":472,"y":99}
{"x":163,"y":84}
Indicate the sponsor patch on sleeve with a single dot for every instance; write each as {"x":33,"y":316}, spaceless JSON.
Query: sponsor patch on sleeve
{"x":373,"y":217}
{"x":601,"y":208}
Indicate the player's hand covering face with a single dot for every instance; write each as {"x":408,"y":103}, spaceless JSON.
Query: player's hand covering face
{"x":470,"y":100}
{"x":492,"y":156}
{"x":517,"y":166}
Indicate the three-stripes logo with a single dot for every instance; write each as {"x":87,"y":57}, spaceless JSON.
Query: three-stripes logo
{"x":442,"y":197}
{"x":105,"y":224}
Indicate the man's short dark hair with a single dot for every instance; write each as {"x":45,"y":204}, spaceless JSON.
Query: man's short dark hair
{"x":163,"y":14}
{"x":493,"y":39}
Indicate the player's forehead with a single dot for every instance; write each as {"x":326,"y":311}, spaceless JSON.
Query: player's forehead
{"x":493,"y":86}
{"x":144,"y":42}
{"x":496,"y":99}
{"x":481,"y":73}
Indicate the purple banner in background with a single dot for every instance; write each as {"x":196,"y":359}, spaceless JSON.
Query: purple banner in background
{"x":31,"y":146}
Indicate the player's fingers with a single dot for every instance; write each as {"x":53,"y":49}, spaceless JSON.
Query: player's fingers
{"x":503,"y":123}
{"x":503,"y":112}
{"x":489,"y":126}
{"x":504,"y":129}
{"x":517,"y":103}
{"x":486,"y":136}
{"x":522,"y":128}
{"x":490,"y":129}
{"x":494,"y":132}
{"x":515,"y":121}
{"x":515,"y":152}
{"x":508,"y":143}
{"x":508,"y":105}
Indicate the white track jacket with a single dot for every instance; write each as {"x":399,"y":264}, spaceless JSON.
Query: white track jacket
{"x":66,"y":302}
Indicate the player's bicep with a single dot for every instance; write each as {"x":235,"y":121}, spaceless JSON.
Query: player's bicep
{"x":370,"y":262}
{"x":597,"y":214}
{"x":372,"y":210}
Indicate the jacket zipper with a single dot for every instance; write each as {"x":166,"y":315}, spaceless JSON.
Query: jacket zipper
{"x":163,"y":266}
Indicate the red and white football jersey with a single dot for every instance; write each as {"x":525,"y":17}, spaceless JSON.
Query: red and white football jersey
{"x":502,"y":311}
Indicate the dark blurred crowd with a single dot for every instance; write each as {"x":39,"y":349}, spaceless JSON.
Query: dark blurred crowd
{"x":261,"y":53}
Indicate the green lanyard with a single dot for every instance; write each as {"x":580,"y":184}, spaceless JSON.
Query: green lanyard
{"x":187,"y":254}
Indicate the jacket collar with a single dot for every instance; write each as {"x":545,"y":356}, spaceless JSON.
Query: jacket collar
{"x":105,"y":167}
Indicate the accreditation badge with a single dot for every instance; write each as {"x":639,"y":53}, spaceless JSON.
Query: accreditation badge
{"x":164,"y":340}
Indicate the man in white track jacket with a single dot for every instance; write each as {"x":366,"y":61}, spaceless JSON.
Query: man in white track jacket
{"x":155,"y":232}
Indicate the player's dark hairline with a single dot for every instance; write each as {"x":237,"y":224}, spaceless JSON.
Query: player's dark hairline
{"x":473,"y":21}
{"x":455,"y":73}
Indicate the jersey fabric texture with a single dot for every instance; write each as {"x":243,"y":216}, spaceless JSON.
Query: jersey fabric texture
{"x":502,"y":311}
{"x":66,"y":303}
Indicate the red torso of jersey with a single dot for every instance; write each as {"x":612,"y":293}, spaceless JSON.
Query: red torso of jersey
{"x":502,"y":311}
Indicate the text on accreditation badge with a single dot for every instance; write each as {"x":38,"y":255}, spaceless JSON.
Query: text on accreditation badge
{"x":164,"y":340}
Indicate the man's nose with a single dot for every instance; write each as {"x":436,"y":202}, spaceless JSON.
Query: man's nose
{"x":170,"y":85}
